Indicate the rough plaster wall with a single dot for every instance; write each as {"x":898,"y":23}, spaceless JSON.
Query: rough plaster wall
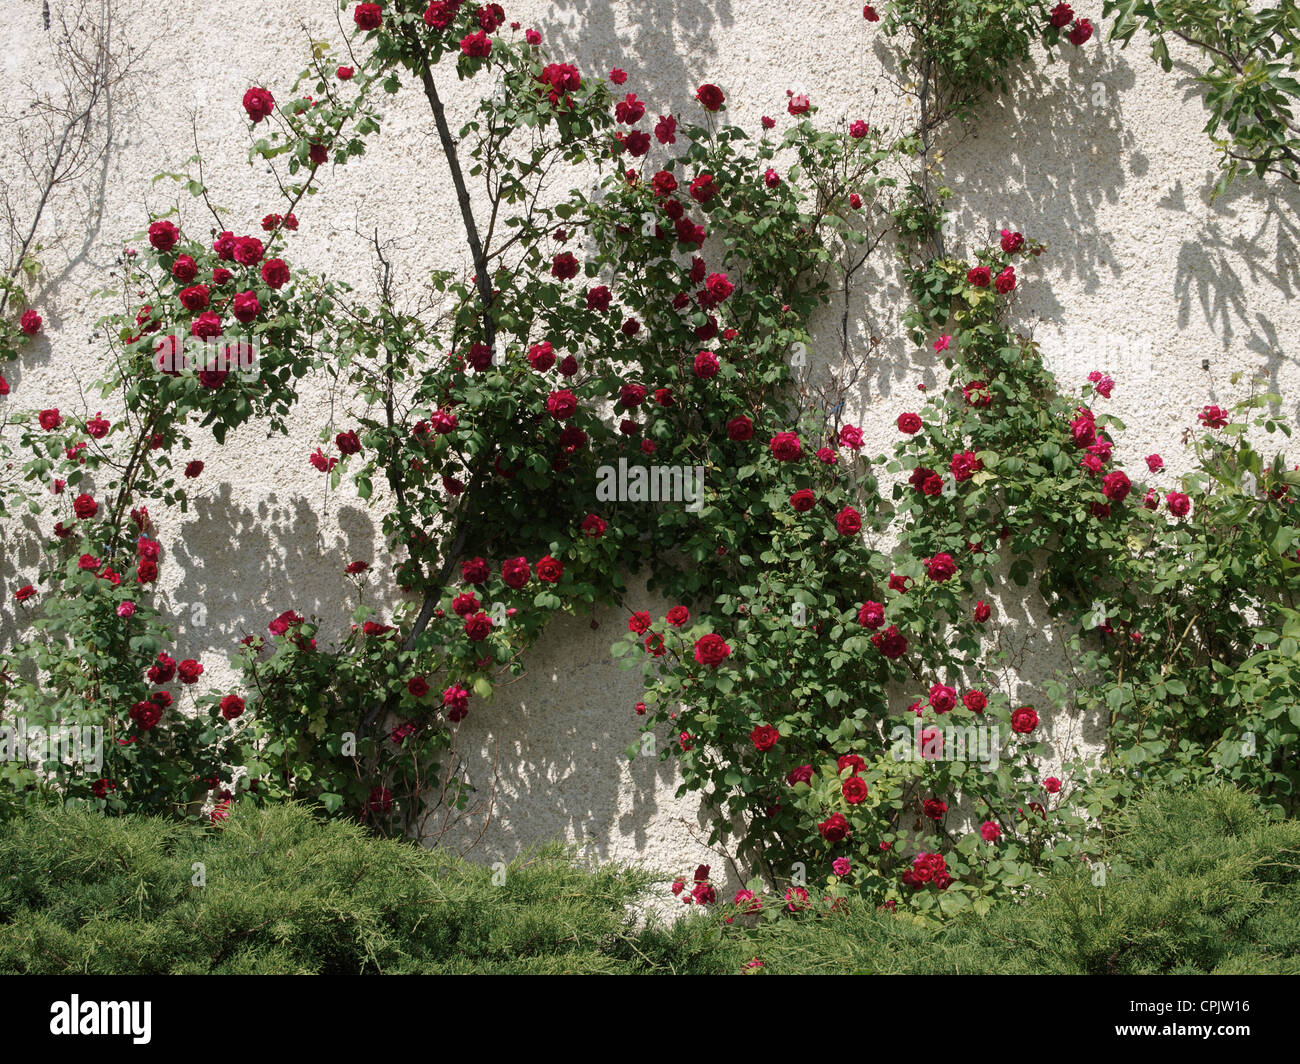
{"x":1100,"y":155}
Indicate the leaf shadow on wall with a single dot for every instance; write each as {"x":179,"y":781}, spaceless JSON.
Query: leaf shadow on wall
{"x":1233,"y":235}
{"x":232,"y":555}
{"x":667,"y":48}
{"x":562,"y":771}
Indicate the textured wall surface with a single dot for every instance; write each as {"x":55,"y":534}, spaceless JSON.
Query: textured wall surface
{"x":1099,"y":154}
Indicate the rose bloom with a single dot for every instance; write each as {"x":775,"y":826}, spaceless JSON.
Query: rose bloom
{"x":941,"y":567}
{"x":549,"y":570}
{"x":188,"y":671}
{"x":990,"y":832}
{"x":909,"y":423}
{"x":740,"y":429}
{"x":785,"y":446}
{"x":848,"y":522}
{"x":562,"y":405}
{"x":942,"y":697}
{"x":344,"y":73}
{"x":979,"y":276}
{"x":1024,"y":720}
{"x":854,"y":790}
{"x":474,"y":571}
{"x":1006,"y":280}
{"x":834,"y":828}
{"x":802,"y":774}
{"x":710,"y":97}
{"x":1062,"y":15}
{"x":368,"y":16}
{"x":1080,"y":32}
{"x":1116,"y":486}
{"x":639,"y":622}
{"x":706,"y":365}
{"x":1179,"y":504}
{"x":764,"y":737}
{"x":564,"y":266}
{"x":798,"y":105}
{"x":871,"y":615}
{"x":803,"y":500}
{"x":1155,"y":463}
{"x":965,"y":465}
{"x":1012,"y":242}
{"x":84,"y":506}
{"x":678,"y":616}
{"x":711,"y":650}
{"x":258,"y":103}
{"x":982,"y":611}
{"x":1213,"y":417}
{"x":1051,"y":785}
{"x":30,"y":322}
{"x":515,"y":572}
{"x":891,"y":642}
{"x":163,"y":235}
{"x":851,"y":436}
{"x":478,"y":626}
{"x":593,"y":526}
{"x":275,"y":273}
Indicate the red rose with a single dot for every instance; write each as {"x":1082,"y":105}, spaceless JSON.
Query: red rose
{"x":50,"y":419}
{"x":368,"y":16}
{"x":871,"y":615}
{"x":275,"y":273}
{"x":1012,"y":242}
{"x":1024,"y":720}
{"x":1006,"y":280}
{"x":564,"y":266}
{"x":163,"y":235}
{"x":245,"y":306}
{"x":785,"y":446}
{"x":85,"y":507}
{"x":30,"y":322}
{"x":188,"y":671}
{"x":146,"y":572}
{"x":258,"y":103}
{"x":549,"y":569}
{"x":1051,"y":785}
{"x":711,"y":650}
{"x":979,"y":276}
{"x":474,"y":571}
{"x":1062,"y":15}
{"x":703,"y":189}
{"x":1080,"y":32}
{"x":678,"y":616}
{"x":834,"y":828}
{"x":1115,"y":485}
{"x":854,"y":790}
{"x":145,"y":714}
{"x":848,"y":522}
{"x":417,"y":686}
{"x":710,"y":97}
{"x":344,"y":73}
{"x":942,"y":697}
{"x":939,"y":568}
{"x":764,"y":737}
{"x":934,"y":809}
{"x":666,"y":130}
{"x":965,"y":465}
{"x":706,"y":365}
{"x":909,"y":423}
{"x":24,"y":593}
{"x":1213,"y":417}
{"x":232,"y":706}
{"x":478,"y":626}
{"x":718,"y":287}
{"x":1179,"y":504}
{"x":476,"y":45}
{"x":803,"y":500}
{"x":515,"y":572}
{"x":982,"y":611}
{"x":891,"y":642}
{"x":740,"y":429}
{"x":562,"y":405}
{"x":639,"y":622}
{"x":975,"y":701}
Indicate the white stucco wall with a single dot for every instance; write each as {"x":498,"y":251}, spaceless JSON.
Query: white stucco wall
{"x":1100,"y":155}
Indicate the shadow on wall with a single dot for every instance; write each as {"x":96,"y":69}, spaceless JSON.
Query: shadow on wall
{"x":673,"y":40}
{"x":561,"y":766}
{"x":232,"y":556}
